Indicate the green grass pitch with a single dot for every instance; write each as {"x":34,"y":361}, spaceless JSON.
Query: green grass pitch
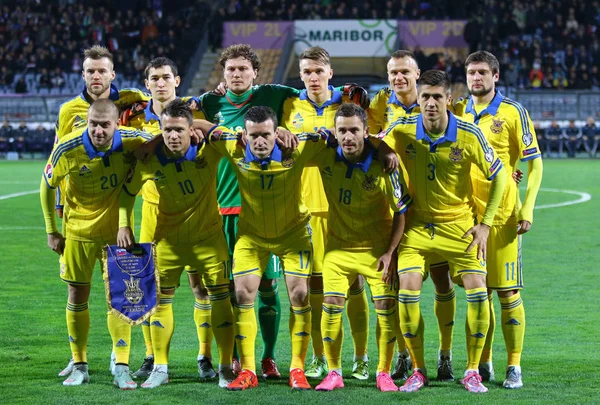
{"x":562,"y":345}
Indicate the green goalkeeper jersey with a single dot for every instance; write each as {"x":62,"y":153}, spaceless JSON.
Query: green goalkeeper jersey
{"x":229,"y":111}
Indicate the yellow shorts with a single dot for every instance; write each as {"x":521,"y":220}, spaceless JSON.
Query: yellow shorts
{"x":341,"y":267}
{"x":318,"y":223}
{"x":251,"y":254}
{"x":149,"y":215}
{"x":435,"y":244}
{"x":78,"y":260}
{"x":504,"y":258}
{"x":208,"y":258}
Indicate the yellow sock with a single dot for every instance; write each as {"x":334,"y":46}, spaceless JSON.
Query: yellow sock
{"x":513,"y":327}
{"x":162,"y":325}
{"x":202,"y":313}
{"x":358,"y":317}
{"x":387,"y":327}
{"x":478,"y":322}
{"x":244,"y":328}
{"x":222,"y":318}
{"x":78,"y":326}
{"x":412,"y":325}
{"x":333,"y":335}
{"x":147,"y":338}
{"x":316,"y":303}
{"x":444,"y":308}
{"x":486,"y":353}
{"x":120,"y":332}
{"x":300,"y":326}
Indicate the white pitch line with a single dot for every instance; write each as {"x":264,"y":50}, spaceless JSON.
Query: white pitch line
{"x":583,"y":197}
{"x":6,"y":197}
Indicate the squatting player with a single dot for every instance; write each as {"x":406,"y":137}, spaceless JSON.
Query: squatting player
{"x":98,"y":74}
{"x":389,"y":104}
{"x":438,"y":151}
{"x":314,"y":109}
{"x":95,"y":161}
{"x":188,"y":233}
{"x":162,"y":80}
{"x":362,"y":238}
{"x":507,"y":127}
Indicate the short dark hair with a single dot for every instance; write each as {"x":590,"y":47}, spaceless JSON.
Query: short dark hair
{"x":317,"y":54}
{"x":160,"y":62}
{"x":240,"y":51}
{"x":436,"y":78}
{"x":403,"y":53}
{"x":105,"y":105}
{"x":351,"y":110}
{"x":97,"y":52}
{"x":260,"y":114}
{"x":485,"y":57}
{"x":178,"y":108}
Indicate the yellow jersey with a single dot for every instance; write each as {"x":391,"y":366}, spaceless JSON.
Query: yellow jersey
{"x":509,"y":130}
{"x":148,"y":121}
{"x":360,"y":196}
{"x":438,"y":171}
{"x":270,"y":189}
{"x":187,"y":193}
{"x":300,"y":114}
{"x":385,"y":109}
{"x":94,"y":181}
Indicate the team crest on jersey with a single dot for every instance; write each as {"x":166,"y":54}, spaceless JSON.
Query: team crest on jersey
{"x":327,"y":171}
{"x":496,"y":126}
{"x":48,"y":171}
{"x":456,"y":154}
{"x":287,"y":162}
{"x":411,"y":152}
{"x":489,"y":155}
{"x":527,"y":139}
{"x":200,"y":162}
{"x":84,"y":171}
{"x":369,"y":182}
{"x":298,"y":121}
{"x":78,"y":122}
{"x":218,"y":119}
{"x":158,"y":176}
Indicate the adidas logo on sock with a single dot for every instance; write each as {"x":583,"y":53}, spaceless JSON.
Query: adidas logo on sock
{"x":328,"y":339}
{"x":478,"y":335}
{"x":225,"y":324}
{"x":121,"y":343}
{"x":450,"y":324}
{"x":204,"y":325}
{"x":513,"y":321}
{"x":409,"y":335}
{"x":392,"y":340}
{"x":240,"y":337}
{"x":72,"y":339}
{"x":157,"y":324}
{"x":302,"y":334}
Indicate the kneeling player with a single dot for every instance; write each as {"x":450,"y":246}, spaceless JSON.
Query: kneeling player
{"x":188,"y":233}
{"x":359,"y":242}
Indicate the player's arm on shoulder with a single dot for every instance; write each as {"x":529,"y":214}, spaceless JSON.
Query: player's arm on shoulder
{"x":224,"y":141}
{"x":129,"y":96}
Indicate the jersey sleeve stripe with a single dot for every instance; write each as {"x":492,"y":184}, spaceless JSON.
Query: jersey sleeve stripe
{"x":472,"y":129}
{"x":402,"y":121}
{"x":58,"y":152}
{"x":522,"y":114}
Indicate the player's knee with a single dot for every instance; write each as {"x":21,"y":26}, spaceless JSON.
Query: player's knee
{"x":339,"y":301}
{"x":79,"y":294}
{"x":384,"y":304}
{"x":200,"y":293}
{"x":411,"y":281}
{"x":298,"y":293}
{"x":471,"y":281}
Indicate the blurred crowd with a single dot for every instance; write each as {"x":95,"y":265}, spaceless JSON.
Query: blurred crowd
{"x":25,"y":141}
{"x":569,"y":140}
{"x":41,"y":42}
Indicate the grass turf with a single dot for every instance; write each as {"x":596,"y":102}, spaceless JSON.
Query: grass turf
{"x":561,"y":345}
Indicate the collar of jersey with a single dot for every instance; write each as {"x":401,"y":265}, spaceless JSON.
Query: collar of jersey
{"x":275,"y":155}
{"x":117,"y":145}
{"x":149,"y":114}
{"x":114,"y":93}
{"x":363,"y":165}
{"x":449,"y":135}
{"x":394,"y":100}
{"x":164,"y":160}
{"x":491,"y":109}
{"x":336,"y":98}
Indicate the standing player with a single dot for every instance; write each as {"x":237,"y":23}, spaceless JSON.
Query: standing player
{"x":188,"y":233}
{"x":98,"y":74}
{"x":162,"y":80}
{"x":273,"y":219}
{"x":362,"y":238}
{"x":438,"y":151}
{"x":95,"y":161}
{"x":508,"y":128}
{"x":314,"y":109}
{"x":398,"y":101}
